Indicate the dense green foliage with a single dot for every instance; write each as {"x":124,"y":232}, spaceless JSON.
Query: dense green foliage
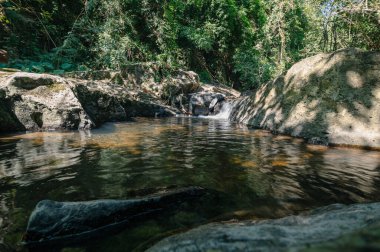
{"x":30,"y":29}
{"x":238,"y":42}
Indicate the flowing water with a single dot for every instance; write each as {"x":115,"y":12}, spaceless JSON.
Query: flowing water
{"x":253,"y":173}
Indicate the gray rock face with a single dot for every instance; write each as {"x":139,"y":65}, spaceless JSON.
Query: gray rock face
{"x":209,"y":99}
{"x":184,"y":92}
{"x":45,"y":102}
{"x":8,"y":121}
{"x":182,"y":83}
{"x":293,"y":233}
{"x":56,"y":221}
{"x":40,"y":101}
{"x":104,"y":101}
{"x":203,"y":103}
{"x":328,"y":98}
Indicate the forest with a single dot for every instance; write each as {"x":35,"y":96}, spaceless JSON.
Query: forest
{"x":189,"y":125}
{"x":239,"y":43}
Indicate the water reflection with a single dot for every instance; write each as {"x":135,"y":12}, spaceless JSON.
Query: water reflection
{"x":258,"y":175}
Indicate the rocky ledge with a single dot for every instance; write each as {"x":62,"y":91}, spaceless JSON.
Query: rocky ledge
{"x":332,"y":228}
{"x":329,"y":98}
{"x":31,"y":101}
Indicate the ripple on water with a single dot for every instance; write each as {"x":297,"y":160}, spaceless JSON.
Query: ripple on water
{"x":256,"y":174}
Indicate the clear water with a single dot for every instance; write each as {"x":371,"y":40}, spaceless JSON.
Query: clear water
{"x":254,"y":174}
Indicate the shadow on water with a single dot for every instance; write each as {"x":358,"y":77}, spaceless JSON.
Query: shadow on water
{"x":255,"y":175}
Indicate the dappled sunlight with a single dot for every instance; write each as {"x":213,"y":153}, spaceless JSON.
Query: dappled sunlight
{"x":327,"y":99}
{"x":280,"y":163}
{"x":354,"y":79}
{"x":318,"y":148}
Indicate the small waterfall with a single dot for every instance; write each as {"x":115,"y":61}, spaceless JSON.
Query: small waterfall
{"x":225,"y":111}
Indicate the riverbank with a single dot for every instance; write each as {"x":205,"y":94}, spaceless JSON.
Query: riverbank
{"x":328,"y":99}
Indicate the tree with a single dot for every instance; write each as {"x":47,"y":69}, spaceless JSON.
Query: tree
{"x":242,"y":43}
{"x":29,"y":27}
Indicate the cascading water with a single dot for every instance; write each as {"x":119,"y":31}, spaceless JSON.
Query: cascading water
{"x":225,"y":111}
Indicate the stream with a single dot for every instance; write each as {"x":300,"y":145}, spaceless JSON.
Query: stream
{"x":253,"y":174}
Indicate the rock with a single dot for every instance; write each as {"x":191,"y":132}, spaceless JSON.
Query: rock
{"x":210,"y":99}
{"x":53,"y":222}
{"x":293,"y":233}
{"x":184,"y":91}
{"x":31,"y":101}
{"x":176,"y":90}
{"x":8,"y":121}
{"x":181,"y":82}
{"x":101,"y":101}
{"x":214,"y":102}
{"x":4,"y":57}
{"x":104,"y":101}
{"x":29,"y":81}
{"x":203,"y":103}
{"x":328,"y":99}
{"x":39,"y":101}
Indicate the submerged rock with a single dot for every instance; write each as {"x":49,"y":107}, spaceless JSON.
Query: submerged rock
{"x":293,"y":233}
{"x":329,"y":98}
{"x":52,"y":221}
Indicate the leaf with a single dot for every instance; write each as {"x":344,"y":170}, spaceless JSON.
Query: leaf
{"x":66,"y":66}
{"x":58,"y":72}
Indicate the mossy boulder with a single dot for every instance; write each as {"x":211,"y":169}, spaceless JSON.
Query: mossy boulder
{"x":329,"y":98}
{"x":39,"y":102}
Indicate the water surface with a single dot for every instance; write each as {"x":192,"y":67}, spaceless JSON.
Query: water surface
{"x":255,"y":174}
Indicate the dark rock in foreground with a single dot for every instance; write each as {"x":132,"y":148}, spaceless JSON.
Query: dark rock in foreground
{"x":53,"y":221}
{"x":293,"y":233}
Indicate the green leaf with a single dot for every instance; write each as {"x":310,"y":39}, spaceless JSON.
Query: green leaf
{"x":58,"y":72}
{"x":66,"y":66}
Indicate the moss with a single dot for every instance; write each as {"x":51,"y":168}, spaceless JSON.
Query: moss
{"x":48,"y":89}
{"x":56,"y":87}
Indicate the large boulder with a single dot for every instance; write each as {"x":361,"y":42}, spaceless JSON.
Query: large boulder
{"x":329,"y":98}
{"x":294,"y":233}
{"x":39,"y":101}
